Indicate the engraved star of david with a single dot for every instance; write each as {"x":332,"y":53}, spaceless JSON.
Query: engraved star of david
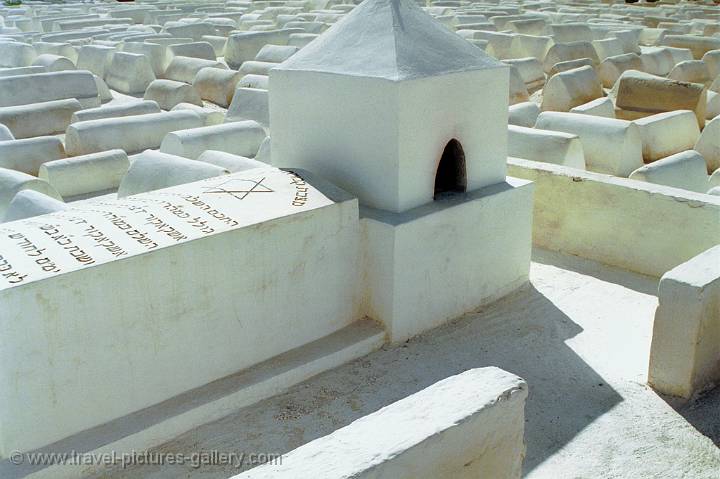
{"x":239,"y":192}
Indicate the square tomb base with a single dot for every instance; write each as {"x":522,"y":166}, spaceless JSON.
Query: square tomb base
{"x":436,"y":262}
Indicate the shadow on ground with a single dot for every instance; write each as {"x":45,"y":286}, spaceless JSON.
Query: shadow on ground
{"x":524,"y":333}
{"x":703,"y":412}
{"x":634,"y":281}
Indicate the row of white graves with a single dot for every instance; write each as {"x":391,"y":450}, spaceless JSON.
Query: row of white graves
{"x":619,"y":61}
{"x":631,"y":76}
{"x":76,"y":84}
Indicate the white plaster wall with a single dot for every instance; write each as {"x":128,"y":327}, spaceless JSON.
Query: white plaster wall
{"x":685,"y":353}
{"x":617,"y":221}
{"x":385,"y":143}
{"x":466,"y":426}
{"x":434,"y":263}
{"x":81,"y":348}
{"x":435,"y":110}
{"x":311,"y":132}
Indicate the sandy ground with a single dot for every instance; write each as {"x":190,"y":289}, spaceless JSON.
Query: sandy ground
{"x":579,"y":334}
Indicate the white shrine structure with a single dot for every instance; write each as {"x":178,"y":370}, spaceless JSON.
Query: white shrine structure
{"x":396,"y":109}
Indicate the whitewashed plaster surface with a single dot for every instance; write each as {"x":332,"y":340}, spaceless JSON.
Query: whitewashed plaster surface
{"x":96,"y":232}
{"x":579,"y":335}
{"x":467,"y":426}
{"x":92,"y":327}
{"x":618,"y":221}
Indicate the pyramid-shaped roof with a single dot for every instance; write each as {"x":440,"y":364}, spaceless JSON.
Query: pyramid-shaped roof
{"x":391,"y":39}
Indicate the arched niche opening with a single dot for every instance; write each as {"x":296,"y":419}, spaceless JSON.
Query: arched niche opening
{"x":451,"y":176}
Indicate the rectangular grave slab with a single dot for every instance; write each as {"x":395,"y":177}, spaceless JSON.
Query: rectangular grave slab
{"x":115,"y":305}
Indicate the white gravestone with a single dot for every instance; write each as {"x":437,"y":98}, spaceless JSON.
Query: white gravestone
{"x":206,"y":279}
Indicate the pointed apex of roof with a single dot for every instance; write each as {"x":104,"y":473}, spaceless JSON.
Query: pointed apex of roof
{"x":392,"y":39}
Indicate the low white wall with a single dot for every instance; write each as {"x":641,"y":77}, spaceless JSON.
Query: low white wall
{"x":466,"y":426}
{"x":633,"y":225}
{"x":685,"y":353}
{"x":112,"y":306}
